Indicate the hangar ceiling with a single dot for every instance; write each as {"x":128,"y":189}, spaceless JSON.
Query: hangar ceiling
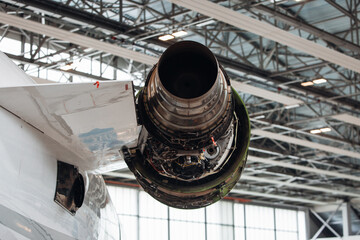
{"x":288,"y":163}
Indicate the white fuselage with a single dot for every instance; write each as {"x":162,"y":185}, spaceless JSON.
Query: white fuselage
{"x":28,"y":174}
{"x":28,"y":169}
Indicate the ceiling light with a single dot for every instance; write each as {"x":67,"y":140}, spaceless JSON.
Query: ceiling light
{"x":205,"y":23}
{"x":166,"y":37}
{"x":321,"y":130}
{"x":306,"y":84}
{"x":292,"y":106}
{"x":315,"y":131}
{"x":259,"y":117}
{"x":179,"y":33}
{"x":325,"y":129}
{"x":88,"y":50}
{"x":67,"y":67}
{"x":319,"y":81}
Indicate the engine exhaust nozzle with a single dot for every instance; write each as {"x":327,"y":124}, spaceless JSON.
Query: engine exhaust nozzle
{"x":187,"y":97}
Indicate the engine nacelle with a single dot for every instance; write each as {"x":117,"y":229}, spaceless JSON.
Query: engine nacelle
{"x":196,"y":132}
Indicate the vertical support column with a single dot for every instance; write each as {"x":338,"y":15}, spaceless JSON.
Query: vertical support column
{"x":115,"y":64}
{"x":346,"y":220}
{"x":233,"y":219}
{"x":261,"y":52}
{"x":120,"y":11}
{"x":244,"y":221}
{"x":307,"y":223}
{"x":205,"y":223}
{"x":168,"y":221}
{"x":138,"y":214}
{"x":100,"y":62}
{"x":274,"y":212}
{"x":22,"y":50}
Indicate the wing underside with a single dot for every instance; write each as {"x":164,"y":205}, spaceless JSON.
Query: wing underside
{"x":93,"y":122}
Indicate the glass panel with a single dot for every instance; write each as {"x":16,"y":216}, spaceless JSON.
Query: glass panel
{"x":259,"y":217}
{"x":10,"y":46}
{"x":286,"y":220}
{"x":153,"y":229}
{"x":190,"y":224}
{"x":124,"y":199}
{"x":238,"y":214}
{"x":186,"y":230}
{"x":239,"y":233}
{"x":149,"y":207}
{"x":95,"y":67}
{"x":108,"y":72}
{"x":220,"y":212}
{"x":194,"y":215}
{"x":257,"y":234}
{"x":216,"y":232}
{"x":128,"y":227}
{"x":286,"y":235}
{"x":54,"y":75}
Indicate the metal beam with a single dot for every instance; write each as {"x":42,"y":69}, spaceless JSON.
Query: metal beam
{"x":346,"y":220}
{"x":85,"y":17}
{"x":279,"y":197}
{"x":303,"y":168}
{"x":126,"y":53}
{"x":305,"y":143}
{"x":270,"y":32}
{"x":344,"y":117}
{"x":300,"y":69}
{"x":299,"y":186}
{"x":78,"y":14}
{"x":78,"y":39}
{"x":322,"y":93}
{"x":325,"y":223}
{"x":42,"y":64}
{"x":308,"y":28}
{"x":357,"y":237}
{"x":341,"y":9}
{"x":266,"y":94}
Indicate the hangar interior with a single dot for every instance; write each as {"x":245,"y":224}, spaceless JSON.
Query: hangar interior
{"x":295,"y":63}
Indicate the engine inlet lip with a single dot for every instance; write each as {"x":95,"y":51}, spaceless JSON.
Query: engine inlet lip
{"x":201,"y":49}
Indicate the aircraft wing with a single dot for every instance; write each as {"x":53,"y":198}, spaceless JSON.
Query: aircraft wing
{"x":93,"y":122}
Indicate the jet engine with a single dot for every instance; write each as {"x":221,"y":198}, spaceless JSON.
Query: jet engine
{"x":196,"y":131}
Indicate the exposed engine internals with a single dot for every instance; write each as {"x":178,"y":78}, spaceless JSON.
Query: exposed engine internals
{"x":193,"y":145}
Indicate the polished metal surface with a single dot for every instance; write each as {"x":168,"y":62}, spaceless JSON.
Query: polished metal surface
{"x":193,"y":104}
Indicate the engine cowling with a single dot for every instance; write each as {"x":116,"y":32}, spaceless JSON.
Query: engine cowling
{"x":196,"y":130}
